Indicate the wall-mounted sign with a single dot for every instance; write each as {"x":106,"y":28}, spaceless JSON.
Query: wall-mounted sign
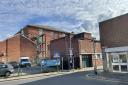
{"x":56,"y":55}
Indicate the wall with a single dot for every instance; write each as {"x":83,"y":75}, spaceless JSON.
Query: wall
{"x":113,"y":32}
{"x":31,"y":32}
{"x":80,"y":45}
{"x":28,"y":48}
{"x":12,"y":45}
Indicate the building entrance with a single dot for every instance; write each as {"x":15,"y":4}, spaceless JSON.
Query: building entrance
{"x":119,"y":62}
{"x":86,"y":61}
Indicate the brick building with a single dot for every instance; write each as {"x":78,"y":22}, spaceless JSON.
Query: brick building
{"x":113,"y":36}
{"x":15,"y":47}
{"x":45,"y":33}
{"x":32,"y":41}
{"x":82,"y":47}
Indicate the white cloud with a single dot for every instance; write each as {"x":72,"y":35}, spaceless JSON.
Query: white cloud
{"x":85,"y":14}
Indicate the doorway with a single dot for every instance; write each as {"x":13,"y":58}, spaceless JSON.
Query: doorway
{"x":86,"y":60}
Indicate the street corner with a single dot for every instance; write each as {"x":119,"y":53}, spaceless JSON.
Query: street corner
{"x":103,"y":78}
{"x":93,"y":76}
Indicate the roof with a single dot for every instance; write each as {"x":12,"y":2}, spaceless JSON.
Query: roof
{"x":74,"y":36}
{"x":17,"y":35}
{"x":114,"y":18}
{"x":46,"y":28}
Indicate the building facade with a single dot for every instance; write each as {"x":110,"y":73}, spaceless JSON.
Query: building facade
{"x":81,"y":49}
{"x":41,"y":36}
{"x":113,"y":36}
{"x":15,"y":47}
{"x":32,"y":41}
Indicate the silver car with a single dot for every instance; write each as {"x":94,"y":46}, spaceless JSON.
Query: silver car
{"x":6,"y":70}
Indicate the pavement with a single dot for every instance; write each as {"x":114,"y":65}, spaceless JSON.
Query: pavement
{"x":24,"y":75}
{"x":109,"y":76}
{"x":75,"y":78}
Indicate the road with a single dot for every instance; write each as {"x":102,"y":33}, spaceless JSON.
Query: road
{"x":69,"y":79}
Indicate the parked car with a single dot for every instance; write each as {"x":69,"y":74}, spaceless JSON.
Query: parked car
{"x":24,"y":62}
{"x":6,"y":70}
{"x":48,"y":65}
{"x":14,"y":64}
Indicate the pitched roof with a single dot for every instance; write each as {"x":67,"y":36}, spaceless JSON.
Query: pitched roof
{"x":46,"y":28}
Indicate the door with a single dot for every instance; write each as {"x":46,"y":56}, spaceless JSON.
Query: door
{"x":83,"y":62}
{"x":120,"y":62}
{"x":86,"y":61}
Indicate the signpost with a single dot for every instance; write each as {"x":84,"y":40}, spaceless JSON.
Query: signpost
{"x":57,"y":56}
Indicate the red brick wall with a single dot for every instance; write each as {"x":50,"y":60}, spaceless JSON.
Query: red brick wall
{"x":17,"y":46}
{"x":79,"y":46}
{"x":86,"y":46}
{"x":114,"y":32}
{"x":60,"y":46}
{"x":13,"y":48}
{"x":28,"y":48}
{"x":31,"y":32}
{"x":2,"y":50}
{"x":98,"y":62}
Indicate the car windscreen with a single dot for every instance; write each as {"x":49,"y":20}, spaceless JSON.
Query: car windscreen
{"x":24,"y":60}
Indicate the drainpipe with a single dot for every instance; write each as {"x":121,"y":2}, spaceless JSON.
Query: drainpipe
{"x":6,"y":50}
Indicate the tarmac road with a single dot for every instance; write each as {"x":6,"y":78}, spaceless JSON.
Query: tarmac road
{"x":78,"y":78}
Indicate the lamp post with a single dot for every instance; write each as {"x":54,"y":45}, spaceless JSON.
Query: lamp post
{"x":94,"y":50}
{"x":71,"y":53}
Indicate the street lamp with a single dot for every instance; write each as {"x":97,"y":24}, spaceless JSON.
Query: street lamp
{"x":94,"y":50}
{"x":70,"y":52}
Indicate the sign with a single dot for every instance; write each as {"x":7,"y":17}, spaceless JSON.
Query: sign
{"x":70,"y":52}
{"x":56,"y":55}
{"x":53,"y":62}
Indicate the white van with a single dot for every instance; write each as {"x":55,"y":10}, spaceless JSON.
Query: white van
{"x":24,"y":62}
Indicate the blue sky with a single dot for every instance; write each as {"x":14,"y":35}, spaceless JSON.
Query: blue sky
{"x":69,"y":15}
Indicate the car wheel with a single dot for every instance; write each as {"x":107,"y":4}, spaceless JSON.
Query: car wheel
{"x":7,"y":74}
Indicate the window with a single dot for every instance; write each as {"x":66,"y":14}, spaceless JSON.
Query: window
{"x":116,"y":67}
{"x":124,"y":68}
{"x":115,"y":59}
{"x":123,"y":58}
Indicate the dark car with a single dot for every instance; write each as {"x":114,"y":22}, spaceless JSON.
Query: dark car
{"x":14,"y":64}
{"x":6,"y":70}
